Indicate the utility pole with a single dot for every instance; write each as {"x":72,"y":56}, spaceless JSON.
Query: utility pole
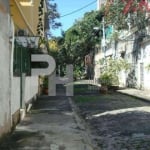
{"x":104,"y":40}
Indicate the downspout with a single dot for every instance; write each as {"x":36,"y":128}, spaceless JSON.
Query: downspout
{"x":21,"y":79}
{"x":22,"y":83}
{"x":22,"y":89}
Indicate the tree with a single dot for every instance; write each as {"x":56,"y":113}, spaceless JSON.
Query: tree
{"x":78,"y":41}
{"x":53,"y":14}
{"x":81,"y":37}
{"x":50,"y":17}
{"x":121,"y":12}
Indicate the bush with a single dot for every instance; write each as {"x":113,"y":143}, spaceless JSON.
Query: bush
{"x":108,"y":78}
{"x":111,"y":70}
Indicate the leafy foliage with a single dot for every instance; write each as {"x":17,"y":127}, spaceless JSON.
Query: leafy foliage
{"x":122,"y":12}
{"x":53,"y":15}
{"x":78,"y":41}
{"x":114,"y":15}
{"x":148,"y":67}
{"x":111,"y":69}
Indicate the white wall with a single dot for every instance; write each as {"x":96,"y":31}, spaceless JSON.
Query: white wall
{"x":10,"y":85}
{"x":15,"y":96}
{"x":100,"y":3}
{"x":146,"y":61}
{"x":97,"y":58}
{"x":31,"y":88}
{"x":4,"y":68}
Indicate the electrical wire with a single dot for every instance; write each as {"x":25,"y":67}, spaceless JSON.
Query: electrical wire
{"x":78,"y":9}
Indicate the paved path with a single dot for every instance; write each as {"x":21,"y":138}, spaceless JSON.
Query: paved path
{"x":145,"y":95}
{"x":142,"y":94}
{"x":51,"y":124}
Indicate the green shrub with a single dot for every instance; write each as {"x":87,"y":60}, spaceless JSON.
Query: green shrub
{"x":110,"y":71}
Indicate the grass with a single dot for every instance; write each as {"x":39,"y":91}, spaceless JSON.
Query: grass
{"x":84,"y":89}
{"x":80,"y":88}
{"x":83,"y":99}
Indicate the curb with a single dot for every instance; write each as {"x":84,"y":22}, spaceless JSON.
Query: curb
{"x":146,"y":99}
{"x":90,"y":143}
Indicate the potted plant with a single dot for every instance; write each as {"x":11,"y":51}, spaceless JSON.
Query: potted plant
{"x":105,"y":81}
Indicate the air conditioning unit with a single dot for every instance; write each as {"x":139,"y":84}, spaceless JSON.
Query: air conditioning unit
{"x":22,"y":32}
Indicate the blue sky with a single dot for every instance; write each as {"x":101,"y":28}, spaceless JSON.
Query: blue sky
{"x":68,"y":6}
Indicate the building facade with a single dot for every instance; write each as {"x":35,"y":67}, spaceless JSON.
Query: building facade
{"x":133,"y":46}
{"x":17,"y":87}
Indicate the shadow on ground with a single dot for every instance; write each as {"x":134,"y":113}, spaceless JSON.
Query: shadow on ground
{"x":117,"y":121}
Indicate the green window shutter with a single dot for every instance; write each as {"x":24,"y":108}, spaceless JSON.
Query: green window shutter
{"x":22,"y":60}
{"x":26,"y":61}
{"x":17,"y":60}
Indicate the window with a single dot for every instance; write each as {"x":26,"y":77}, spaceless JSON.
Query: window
{"x":22,"y":60}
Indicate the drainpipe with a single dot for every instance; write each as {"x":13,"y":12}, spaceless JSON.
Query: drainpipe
{"x":22,"y":82}
{"x":22,"y":89}
{"x":104,"y":40}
